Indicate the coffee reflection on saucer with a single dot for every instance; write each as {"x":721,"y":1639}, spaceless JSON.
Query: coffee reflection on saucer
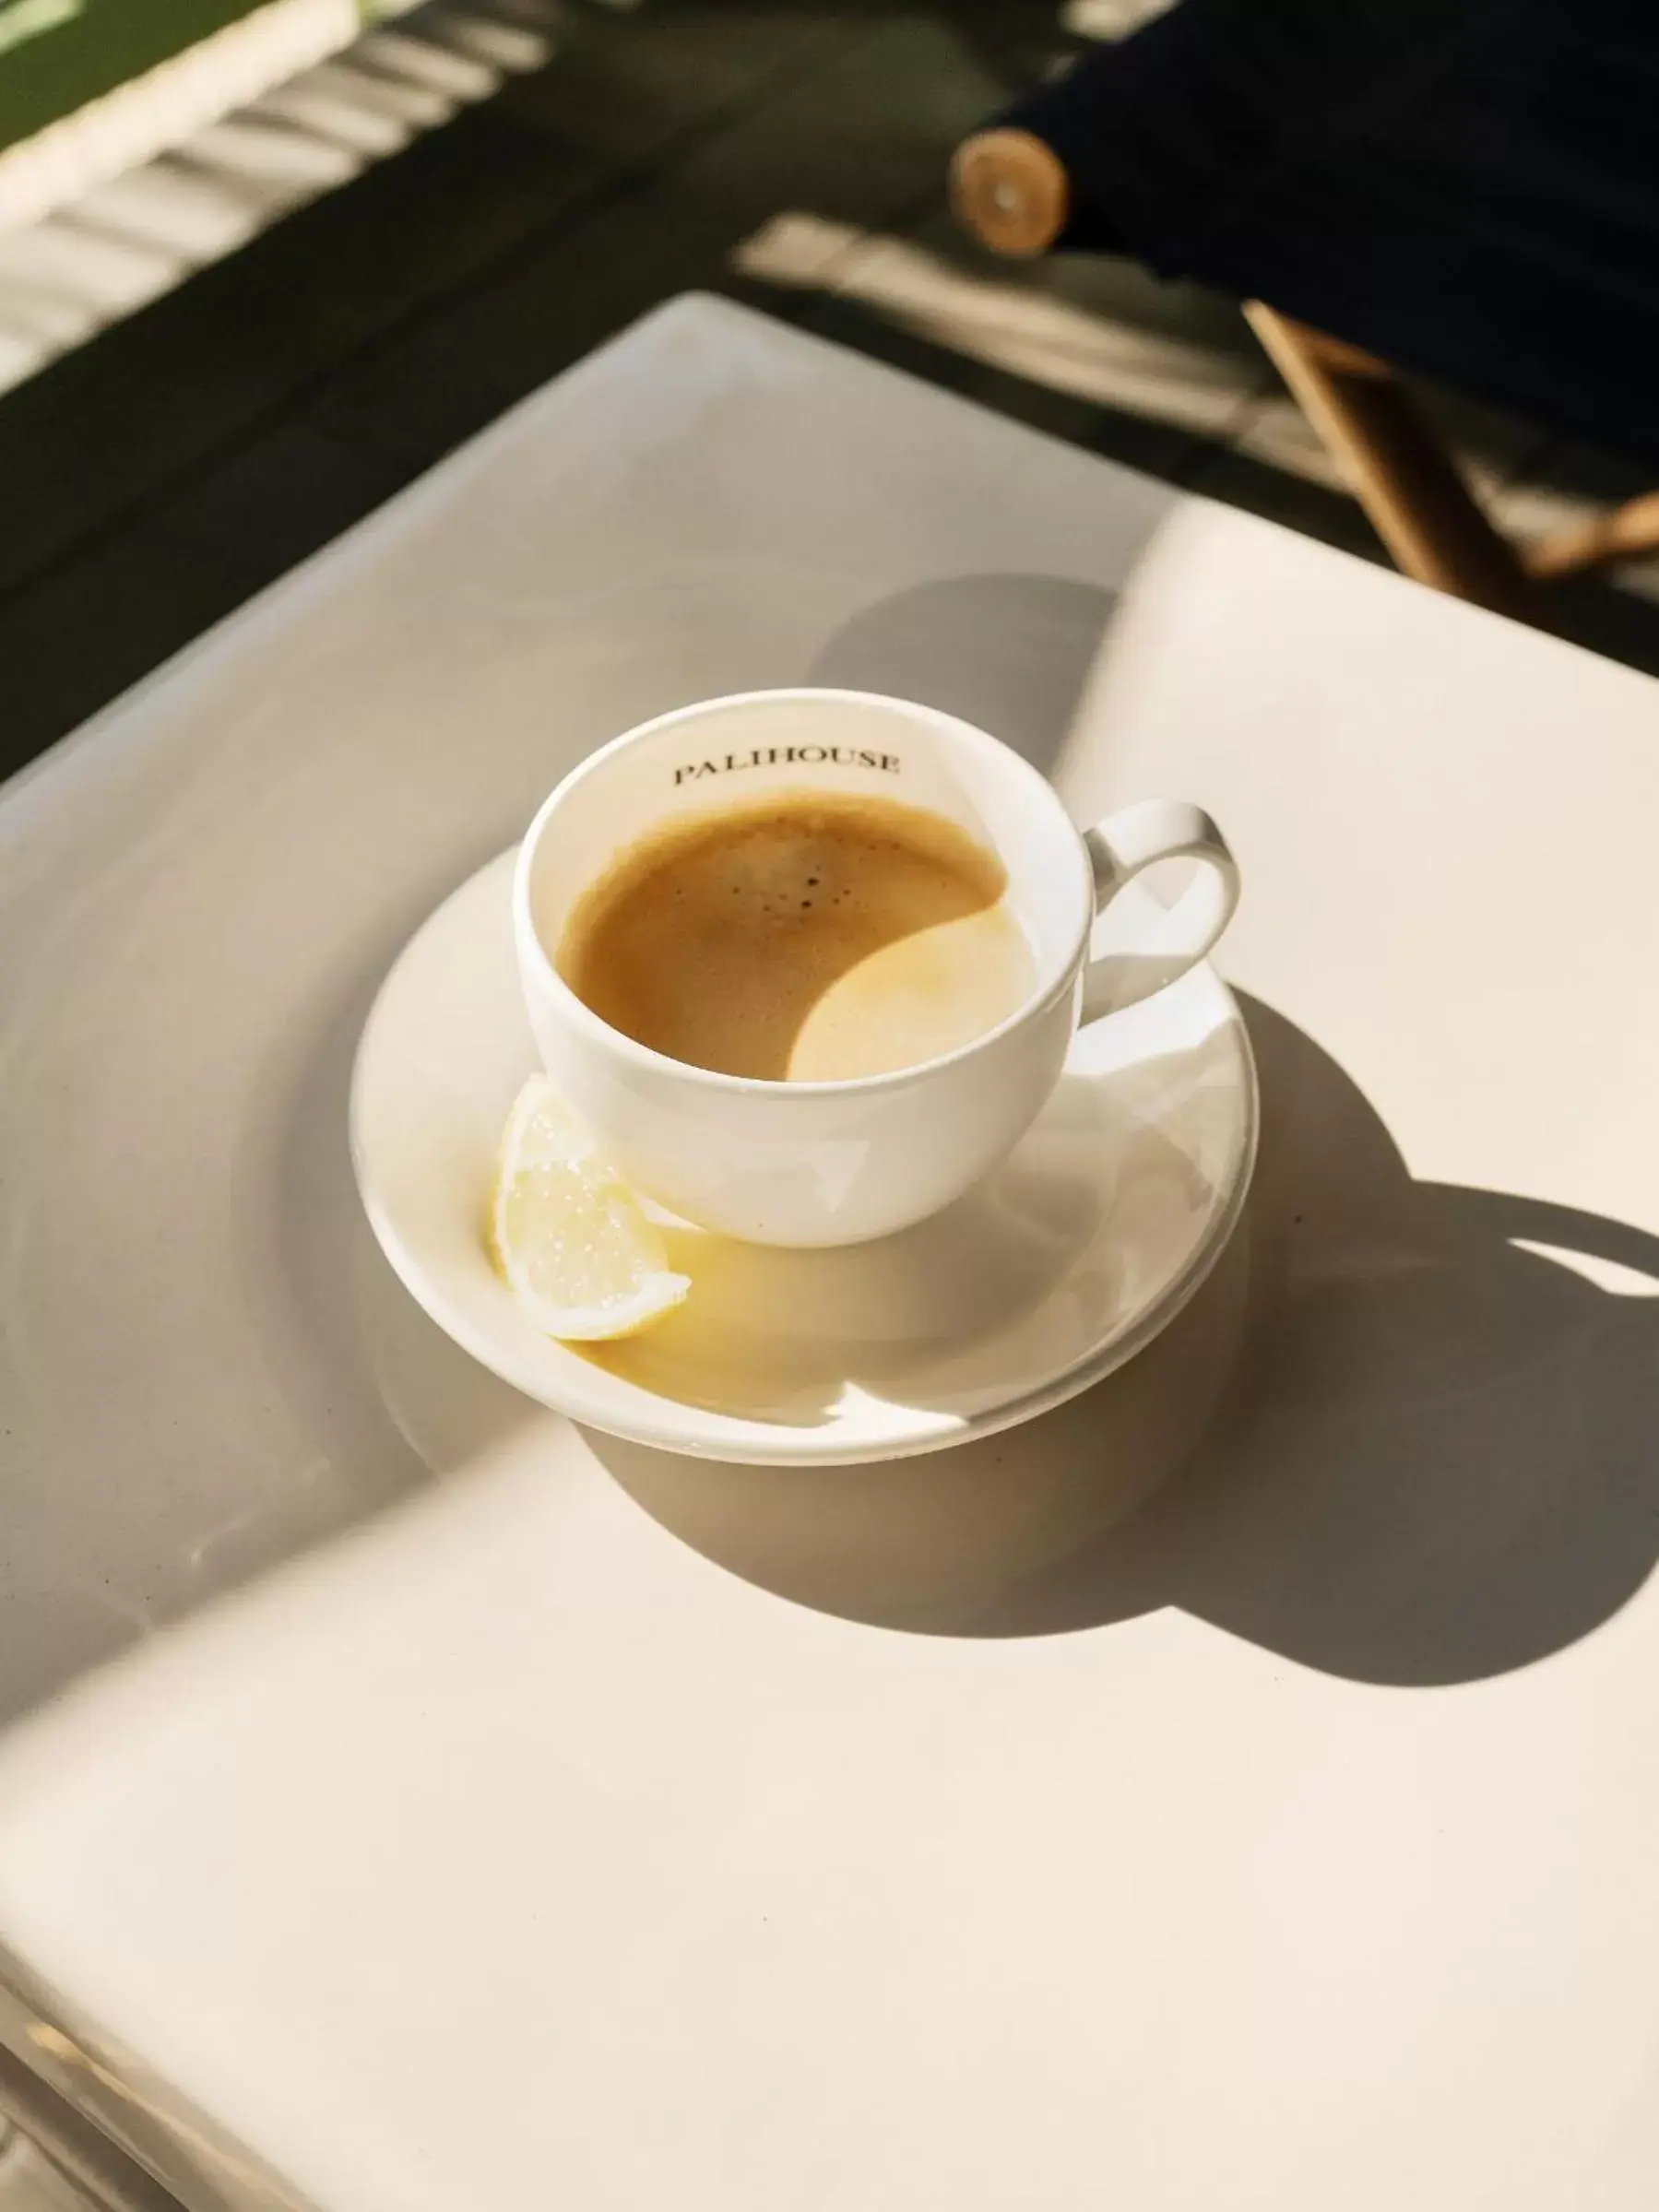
{"x":952,"y":1313}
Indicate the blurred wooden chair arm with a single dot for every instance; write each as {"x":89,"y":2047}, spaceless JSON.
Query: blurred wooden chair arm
{"x":1012,"y":192}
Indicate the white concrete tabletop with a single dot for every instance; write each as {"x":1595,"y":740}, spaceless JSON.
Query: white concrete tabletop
{"x":408,"y":1803}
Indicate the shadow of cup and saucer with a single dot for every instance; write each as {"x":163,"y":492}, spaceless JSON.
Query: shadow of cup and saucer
{"x":1395,"y":1438}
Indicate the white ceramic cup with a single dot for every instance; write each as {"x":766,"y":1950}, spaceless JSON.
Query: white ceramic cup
{"x":835,"y":1163}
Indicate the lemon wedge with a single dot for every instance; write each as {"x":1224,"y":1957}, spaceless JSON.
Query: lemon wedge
{"x":568,"y":1235}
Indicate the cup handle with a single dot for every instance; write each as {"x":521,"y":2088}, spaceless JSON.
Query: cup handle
{"x":1119,"y":848}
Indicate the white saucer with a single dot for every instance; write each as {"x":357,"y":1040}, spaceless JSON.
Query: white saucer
{"x":1059,"y":1267}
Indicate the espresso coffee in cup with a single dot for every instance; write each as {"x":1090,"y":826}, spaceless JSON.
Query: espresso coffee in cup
{"x":811,"y":937}
{"x":823,"y":1008}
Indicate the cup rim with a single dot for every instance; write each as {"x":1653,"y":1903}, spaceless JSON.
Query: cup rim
{"x":1039,"y":1000}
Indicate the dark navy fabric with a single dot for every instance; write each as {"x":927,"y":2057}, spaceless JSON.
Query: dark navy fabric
{"x":1467,"y":187}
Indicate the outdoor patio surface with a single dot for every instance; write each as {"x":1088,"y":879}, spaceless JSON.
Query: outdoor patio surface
{"x":216,"y":363}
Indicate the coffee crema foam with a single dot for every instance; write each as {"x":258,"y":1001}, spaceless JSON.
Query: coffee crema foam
{"x":809,"y":937}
